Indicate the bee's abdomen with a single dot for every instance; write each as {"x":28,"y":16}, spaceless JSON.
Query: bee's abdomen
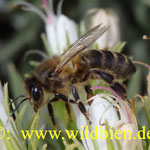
{"x":117,"y":64}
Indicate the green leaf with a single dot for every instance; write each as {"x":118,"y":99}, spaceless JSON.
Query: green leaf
{"x":119,"y":47}
{"x":16,"y":130}
{"x":149,"y":147}
{"x":34,"y":126}
{"x":109,"y":142}
{"x":46,"y":44}
{"x":68,"y":40}
{"x":12,"y":122}
{"x":16,"y":142}
{"x":44,"y":147}
{"x":22,"y":112}
{"x":6,"y":99}
{"x":146,"y":98}
{"x":15,"y":81}
{"x":134,"y":84}
{"x":30,"y":122}
{"x":34,"y":63}
{"x":146,"y":108}
{"x":8,"y":140}
{"x":72,"y":146}
{"x":82,"y":27}
{"x":117,"y":141}
{"x":80,"y":147}
{"x":144,"y":145}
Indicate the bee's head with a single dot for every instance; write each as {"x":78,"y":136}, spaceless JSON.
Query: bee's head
{"x":35,"y":93}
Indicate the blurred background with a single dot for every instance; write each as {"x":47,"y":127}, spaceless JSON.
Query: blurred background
{"x":20,"y":31}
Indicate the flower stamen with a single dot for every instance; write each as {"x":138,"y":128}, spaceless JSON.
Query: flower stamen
{"x":107,"y":89}
{"x":133,"y":104}
{"x":142,"y":63}
{"x":59,"y":8}
{"x":49,"y":11}
{"x":32,"y":8}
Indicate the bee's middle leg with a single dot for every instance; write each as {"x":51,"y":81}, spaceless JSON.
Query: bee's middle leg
{"x":88,"y":91}
{"x":51,"y":112}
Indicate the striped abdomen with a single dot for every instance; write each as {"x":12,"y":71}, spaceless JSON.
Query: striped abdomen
{"x":115,"y":63}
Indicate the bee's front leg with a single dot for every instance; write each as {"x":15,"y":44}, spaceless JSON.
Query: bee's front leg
{"x":76,"y":101}
{"x":51,"y":112}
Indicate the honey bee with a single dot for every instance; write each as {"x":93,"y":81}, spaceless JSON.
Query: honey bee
{"x":65,"y":74}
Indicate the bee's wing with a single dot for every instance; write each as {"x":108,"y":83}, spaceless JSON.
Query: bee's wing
{"x":80,"y":45}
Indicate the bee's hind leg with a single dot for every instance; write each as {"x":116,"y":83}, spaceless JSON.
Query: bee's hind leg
{"x":109,"y":79}
{"x":115,"y":85}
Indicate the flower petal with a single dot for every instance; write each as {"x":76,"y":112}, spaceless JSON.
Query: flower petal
{"x":81,"y":125}
{"x":131,"y":133}
{"x":109,"y":18}
{"x":65,"y":27}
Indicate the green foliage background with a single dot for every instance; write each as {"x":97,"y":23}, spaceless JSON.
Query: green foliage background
{"x":21,"y":31}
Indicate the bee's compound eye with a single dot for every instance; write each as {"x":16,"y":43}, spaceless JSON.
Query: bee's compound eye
{"x":36,"y":92}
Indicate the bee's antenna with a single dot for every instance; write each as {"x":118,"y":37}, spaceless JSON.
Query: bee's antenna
{"x":12,"y":113}
{"x":20,"y":96}
{"x":42,"y":54}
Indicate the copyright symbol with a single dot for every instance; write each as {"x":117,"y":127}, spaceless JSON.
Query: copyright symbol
{"x":2,"y":133}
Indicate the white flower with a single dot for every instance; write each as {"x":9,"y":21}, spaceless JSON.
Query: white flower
{"x":98,"y":115}
{"x":3,"y":117}
{"x":130,"y":142}
{"x":108,"y":18}
{"x":106,"y":108}
{"x":8,"y":131}
{"x":60,"y":30}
